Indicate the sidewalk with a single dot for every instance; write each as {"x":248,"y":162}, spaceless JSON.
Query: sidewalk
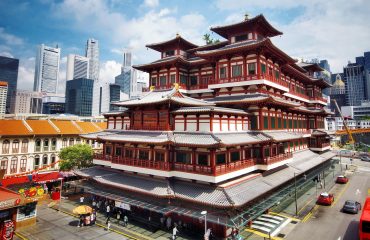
{"x":134,"y":230}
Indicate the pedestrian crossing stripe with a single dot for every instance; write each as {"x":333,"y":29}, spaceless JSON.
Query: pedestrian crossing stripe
{"x":264,"y":223}
{"x":269,"y":220}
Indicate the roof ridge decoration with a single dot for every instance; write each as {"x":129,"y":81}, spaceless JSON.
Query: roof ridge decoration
{"x":178,"y":39}
{"x":29,"y":128}
{"x":54,"y":126}
{"x":76,"y":125}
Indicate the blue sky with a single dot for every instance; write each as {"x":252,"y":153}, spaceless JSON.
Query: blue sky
{"x":337,"y":30}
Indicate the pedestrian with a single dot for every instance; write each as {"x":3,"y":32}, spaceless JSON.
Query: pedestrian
{"x":87,"y":220}
{"x":93,"y":217}
{"x":174,"y":232}
{"x":82,"y":198}
{"x":94,"y":204}
{"x":169,"y":223}
{"x":99,"y":204}
{"x":108,"y":225}
{"x":162,"y":221}
{"x":125,"y":220}
{"x":108,"y":210}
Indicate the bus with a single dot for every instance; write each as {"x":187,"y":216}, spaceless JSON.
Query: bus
{"x":364,"y":226}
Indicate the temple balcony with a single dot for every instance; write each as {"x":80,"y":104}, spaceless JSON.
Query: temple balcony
{"x":278,"y":158}
{"x":320,"y":147}
{"x":317,"y":98}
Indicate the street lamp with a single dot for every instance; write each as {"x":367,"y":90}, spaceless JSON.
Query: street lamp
{"x":60,"y":195}
{"x":340,"y":161}
{"x":295,"y":194}
{"x":204,"y":213}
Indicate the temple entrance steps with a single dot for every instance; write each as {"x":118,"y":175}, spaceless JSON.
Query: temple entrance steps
{"x":269,"y":224}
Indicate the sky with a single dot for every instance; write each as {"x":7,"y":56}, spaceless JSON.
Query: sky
{"x":336,"y":30}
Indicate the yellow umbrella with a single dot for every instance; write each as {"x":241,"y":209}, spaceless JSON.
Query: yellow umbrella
{"x":83,"y":209}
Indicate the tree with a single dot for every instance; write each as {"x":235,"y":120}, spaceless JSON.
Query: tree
{"x":209,"y":40}
{"x":77,"y":156}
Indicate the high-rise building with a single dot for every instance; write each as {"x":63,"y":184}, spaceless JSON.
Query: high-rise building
{"x":326,"y":74}
{"x":53,"y":104}
{"x":114,"y":96}
{"x":3,"y":93}
{"x":9,"y":74}
{"x":101,"y":97}
{"x":92,"y":53}
{"x":79,"y":95}
{"x":338,"y":92}
{"x":27,"y":102}
{"x":47,"y":69}
{"x":77,"y":67}
{"x":355,"y":84}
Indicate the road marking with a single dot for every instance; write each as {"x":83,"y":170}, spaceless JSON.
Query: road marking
{"x":307,"y":217}
{"x":308,"y":202}
{"x":286,"y":216}
{"x":20,"y":236}
{"x":261,"y":234}
{"x":340,"y":194}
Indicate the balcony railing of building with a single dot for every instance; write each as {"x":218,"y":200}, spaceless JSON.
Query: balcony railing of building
{"x":192,"y":168}
{"x":234,"y":166}
{"x":319,"y":99}
{"x":277,"y":158}
{"x":321,"y":145}
{"x":149,"y":127}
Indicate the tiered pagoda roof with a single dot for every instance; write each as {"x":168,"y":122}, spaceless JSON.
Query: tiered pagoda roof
{"x":178,"y":41}
{"x":257,"y":23}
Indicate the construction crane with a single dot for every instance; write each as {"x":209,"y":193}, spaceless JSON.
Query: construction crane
{"x":351,"y":140}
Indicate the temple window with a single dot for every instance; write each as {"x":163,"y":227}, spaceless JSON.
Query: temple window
{"x":254,"y":124}
{"x":265,"y":122}
{"x":154,"y":81}
{"x":263,"y":68}
{"x":237,"y":70}
{"x":247,"y":153}
{"x":129,"y":153}
{"x":193,"y":80}
{"x":267,"y":152}
{"x":277,"y":74}
{"x":271,"y":72}
{"x":203,"y":159}
{"x":273,"y":122}
{"x":279,"y":123}
{"x":143,"y":154}
{"x":183,"y":79}
{"x":256,"y":152}
{"x":223,"y":72}
{"x":241,"y":38}
{"x":108,"y":150}
{"x":285,"y":125}
{"x":183,"y":157}
{"x":235,"y":156}
{"x":169,"y":53}
{"x":221,"y":158}
{"x":159,"y":156}
{"x":173,"y":78}
{"x":251,"y":68}
{"x":162,"y":81}
{"x":118,"y":151}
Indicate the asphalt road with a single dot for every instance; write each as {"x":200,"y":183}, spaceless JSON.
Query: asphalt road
{"x":328,"y":222}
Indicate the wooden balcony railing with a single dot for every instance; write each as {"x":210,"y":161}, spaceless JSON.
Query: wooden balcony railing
{"x":319,"y":99}
{"x":234,"y":166}
{"x":299,"y":94}
{"x":149,"y":127}
{"x":277,"y":158}
{"x":190,"y":168}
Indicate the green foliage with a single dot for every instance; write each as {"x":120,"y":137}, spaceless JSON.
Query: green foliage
{"x":209,"y":40}
{"x":365,"y":117}
{"x":77,"y":156}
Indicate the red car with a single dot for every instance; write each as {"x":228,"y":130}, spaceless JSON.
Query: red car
{"x":325,"y":199}
{"x":342,"y":179}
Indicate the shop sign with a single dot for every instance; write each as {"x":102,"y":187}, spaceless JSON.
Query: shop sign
{"x":123,"y":205}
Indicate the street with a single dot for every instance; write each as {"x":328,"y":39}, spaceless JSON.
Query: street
{"x":328,"y":222}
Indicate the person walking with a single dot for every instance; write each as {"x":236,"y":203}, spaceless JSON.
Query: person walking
{"x":93,"y":217}
{"x":108,"y":224}
{"x":82,"y":198}
{"x":80,"y":221}
{"x":125,"y":220}
{"x":108,"y":210}
{"x":94,"y":204}
{"x":169,"y":223}
{"x":174,"y":233}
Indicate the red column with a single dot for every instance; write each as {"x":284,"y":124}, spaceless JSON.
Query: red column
{"x":217,"y":74}
{"x":193,"y":159}
{"x":177,"y":80}
{"x":199,"y":79}
{"x":260,"y":119}
{"x":228,"y":122}
{"x":211,"y":122}
{"x":258,"y":66}
{"x":245,"y":67}
{"x":168,"y":80}
{"x":185,"y":124}
{"x":197,"y":122}
{"x":229,"y":69}
{"x":212,"y":161}
{"x":227,"y":155}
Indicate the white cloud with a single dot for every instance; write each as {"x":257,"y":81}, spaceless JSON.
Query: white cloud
{"x":109,"y":70}
{"x":334,"y":30}
{"x":151,"y":3}
{"x":9,"y":39}
{"x":26,"y":74}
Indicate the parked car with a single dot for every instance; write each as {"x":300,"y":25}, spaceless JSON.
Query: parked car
{"x":365,"y":158}
{"x":342,"y":179}
{"x":325,"y":199}
{"x":351,"y":206}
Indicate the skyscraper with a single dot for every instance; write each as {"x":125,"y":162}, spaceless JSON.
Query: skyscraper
{"x":114,"y":96}
{"x":27,"y":102}
{"x":79,"y":95}
{"x":9,"y":74}
{"x":47,"y":69}
{"x":77,"y":67}
{"x":124,"y":80}
{"x":92,"y":53}
{"x":3,"y":93}
{"x":355,"y":84}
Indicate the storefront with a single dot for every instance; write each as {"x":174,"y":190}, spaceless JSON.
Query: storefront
{"x":9,"y":202}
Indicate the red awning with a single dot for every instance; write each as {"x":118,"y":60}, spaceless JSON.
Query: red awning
{"x":14,"y":180}
{"x":46,"y":177}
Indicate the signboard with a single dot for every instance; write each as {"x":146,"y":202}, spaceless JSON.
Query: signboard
{"x":123,"y":205}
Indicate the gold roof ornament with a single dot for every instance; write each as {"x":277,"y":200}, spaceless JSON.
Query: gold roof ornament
{"x":177,"y":35}
{"x":152,"y":88}
{"x":177,"y":86}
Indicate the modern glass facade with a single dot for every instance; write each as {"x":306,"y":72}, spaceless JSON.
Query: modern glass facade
{"x":79,"y":94}
{"x":9,"y":74}
{"x":114,"y":95}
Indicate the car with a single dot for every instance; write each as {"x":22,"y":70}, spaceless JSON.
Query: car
{"x":325,"y":199}
{"x":342,"y":179}
{"x":351,"y":206}
{"x":365,"y":158}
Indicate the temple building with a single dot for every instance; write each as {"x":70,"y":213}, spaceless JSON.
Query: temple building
{"x":224,"y":127}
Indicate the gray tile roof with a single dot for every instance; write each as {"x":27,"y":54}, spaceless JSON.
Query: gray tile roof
{"x":233,"y":45}
{"x":95,"y":135}
{"x":235,"y":194}
{"x":237,"y":138}
{"x":158,"y":96}
{"x":239,"y":98}
{"x":283,"y":135}
{"x":138,"y":136}
{"x":199,"y":139}
{"x":210,"y":109}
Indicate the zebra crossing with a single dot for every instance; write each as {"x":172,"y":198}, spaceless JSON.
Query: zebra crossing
{"x":269,"y":224}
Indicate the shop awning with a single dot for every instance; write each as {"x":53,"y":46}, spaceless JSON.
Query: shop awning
{"x":46,"y":177}
{"x":42,"y":177}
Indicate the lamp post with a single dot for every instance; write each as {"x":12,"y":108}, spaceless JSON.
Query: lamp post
{"x":295,"y":194}
{"x":340,"y":161}
{"x":61,"y":188}
{"x":204,"y":213}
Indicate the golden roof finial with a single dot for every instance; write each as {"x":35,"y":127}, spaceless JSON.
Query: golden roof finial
{"x":246,"y":16}
{"x":177,"y":35}
{"x":152,"y":88}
